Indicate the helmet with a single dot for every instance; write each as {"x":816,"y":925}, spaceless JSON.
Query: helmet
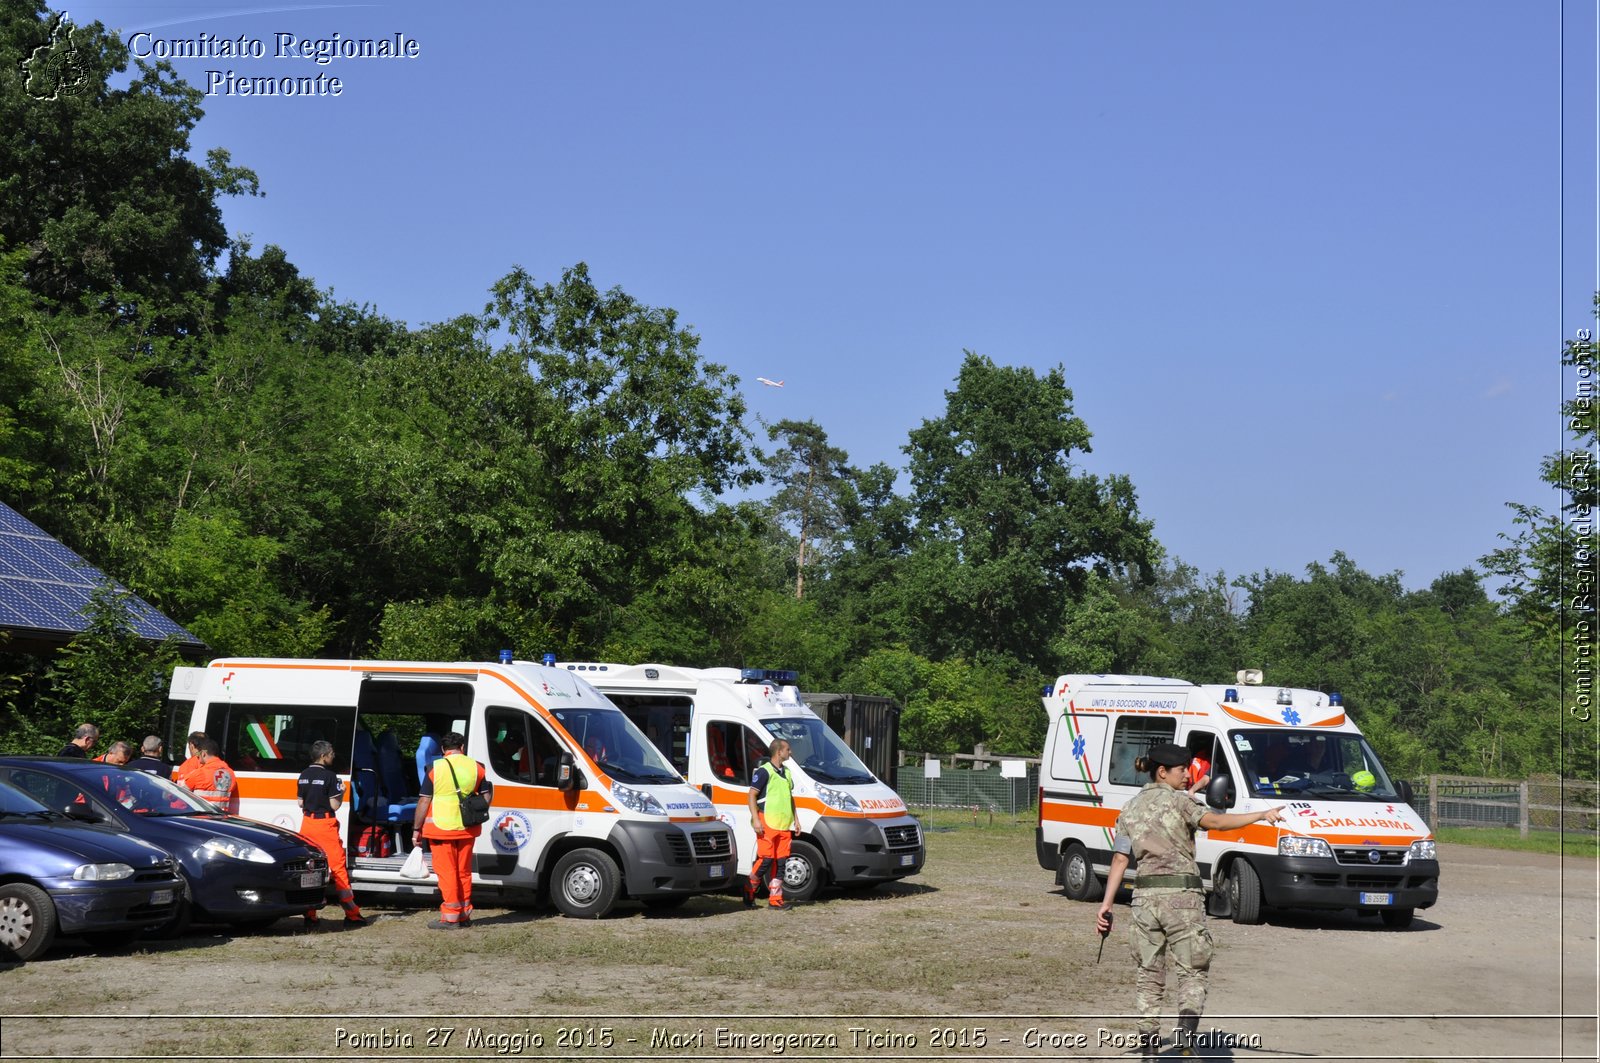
{"x":1364,"y":780}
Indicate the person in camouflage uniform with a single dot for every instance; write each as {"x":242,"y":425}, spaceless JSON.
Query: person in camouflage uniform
{"x":1168,"y":924}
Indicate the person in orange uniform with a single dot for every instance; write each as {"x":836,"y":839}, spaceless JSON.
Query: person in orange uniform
{"x":321,"y":793}
{"x":211,"y":779}
{"x":450,"y":841}
{"x":192,"y":756}
{"x":773,"y":816}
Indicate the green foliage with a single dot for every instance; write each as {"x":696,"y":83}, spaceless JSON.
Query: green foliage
{"x":954,"y":704}
{"x":812,"y":477}
{"x":1008,"y":530}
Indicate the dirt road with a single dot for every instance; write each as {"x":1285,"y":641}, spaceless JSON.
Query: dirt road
{"x":1504,"y":967}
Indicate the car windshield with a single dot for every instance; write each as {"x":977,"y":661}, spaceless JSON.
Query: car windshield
{"x":822,"y":754}
{"x":616,"y":745}
{"x":148,"y":795}
{"x":1311,"y":764}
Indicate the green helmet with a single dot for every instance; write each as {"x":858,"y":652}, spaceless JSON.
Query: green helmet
{"x":1364,"y":780}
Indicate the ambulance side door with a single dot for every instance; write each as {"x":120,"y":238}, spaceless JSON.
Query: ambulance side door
{"x":529,"y":809}
{"x":733,"y":752}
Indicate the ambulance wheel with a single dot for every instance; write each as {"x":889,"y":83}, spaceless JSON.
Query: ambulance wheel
{"x":27,"y":920}
{"x":803,"y":874}
{"x":1244,"y":894}
{"x":1078,"y":879}
{"x":585,"y":883}
{"x":1399,"y":918}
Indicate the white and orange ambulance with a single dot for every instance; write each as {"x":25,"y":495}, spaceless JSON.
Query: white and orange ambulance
{"x":585,"y":810}
{"x":715,"y":724}
{"x":1350,"y":840}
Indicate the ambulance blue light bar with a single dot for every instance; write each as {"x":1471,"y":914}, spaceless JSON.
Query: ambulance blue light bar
{"x":1231,"y":695}
{"x":1335,"y":698}
{"x":776,"y":676}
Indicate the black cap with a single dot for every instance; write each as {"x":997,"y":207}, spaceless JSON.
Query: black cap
{"x":1168,"y":755}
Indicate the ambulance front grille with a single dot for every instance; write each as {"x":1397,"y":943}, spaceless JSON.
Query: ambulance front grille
{"x":712,"y":846}
{"x":1386,"y":857}
{"x":902,"y":837}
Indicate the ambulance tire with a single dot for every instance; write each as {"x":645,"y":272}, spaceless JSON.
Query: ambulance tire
{"x":1078,"y":880}
{"x":803,"y":874}
{"x":27,"y":921}
{"x":585,"y":884}
{"x":1244,"y":894}
{"x":1398,"y":918}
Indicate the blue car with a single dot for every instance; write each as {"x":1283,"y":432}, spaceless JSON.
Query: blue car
{"x":237,"y":871}
{"x":61,"y":876}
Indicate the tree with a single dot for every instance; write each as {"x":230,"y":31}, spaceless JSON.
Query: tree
{"x":1008,"y":530}
{"x":96,"y":184}
{"x":811,"y":475}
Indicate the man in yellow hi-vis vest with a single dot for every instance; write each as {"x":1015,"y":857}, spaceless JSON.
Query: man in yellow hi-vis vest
{"x":772,"y":814}
{"x":453,"y":776}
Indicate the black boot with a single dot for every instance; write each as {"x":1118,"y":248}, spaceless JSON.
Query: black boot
{"x":1183,"y":1036}
{"x":1149,"y":1047}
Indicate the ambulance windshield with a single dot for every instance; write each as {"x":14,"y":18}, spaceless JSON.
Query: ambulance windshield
{"x":821,"y":753}
{"x":1311,"y":764}
{"x":616,"y":746}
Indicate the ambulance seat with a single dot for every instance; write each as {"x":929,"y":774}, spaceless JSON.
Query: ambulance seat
{"x":397,"y":805}
{"x":364,"y":786}
{"x":428,"y":751}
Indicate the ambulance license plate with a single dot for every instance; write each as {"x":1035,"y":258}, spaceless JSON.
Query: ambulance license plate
{"x":715,"y":871}
{"x":907,"y":859}
{"x":1377,"y":898}
{"x":161,"y":897}
{"x":310,"y":879}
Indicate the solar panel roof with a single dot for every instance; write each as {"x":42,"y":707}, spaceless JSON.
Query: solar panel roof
{"x":45,"y":587}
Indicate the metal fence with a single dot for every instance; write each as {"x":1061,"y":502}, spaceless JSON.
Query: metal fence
{"x":1542,"y":803}
{"x":969,"y":782}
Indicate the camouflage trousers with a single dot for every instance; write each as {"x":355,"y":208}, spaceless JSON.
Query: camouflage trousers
{"x":1168,"y":932}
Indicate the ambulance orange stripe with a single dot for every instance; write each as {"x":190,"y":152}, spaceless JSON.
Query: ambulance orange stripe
{"x":1088,"y":815}
{"x":1250,"y":717}
{"x":724,"y":795}
{"x":1256,"y":834}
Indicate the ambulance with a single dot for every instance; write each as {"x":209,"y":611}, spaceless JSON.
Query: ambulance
{"x":715,"y":724}
{"x":585,"y":810}
{"x":1350,"y":840}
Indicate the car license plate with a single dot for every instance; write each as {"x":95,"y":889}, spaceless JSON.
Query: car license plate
{"x":716,"y":871}
{"x":1377,"y":898}
{"x":907,"y":859}
{"x":161,"y":897}
{"x":310,"y":879}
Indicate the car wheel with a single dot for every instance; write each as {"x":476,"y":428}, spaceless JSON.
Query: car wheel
{"x":802,"y":873}
{"x":1244,"y":894}
{"x":27,"y":920}
{"x":1078,"y":880}
{"x":585,"y":884}
{"x":1399,"y":918}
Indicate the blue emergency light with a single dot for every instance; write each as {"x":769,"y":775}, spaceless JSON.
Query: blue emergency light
{"x":1230,"y":695}
{"x":549,"y":660}
{"x":775,"y":676}
{"x":1335,"y":698}
{"x":505,"y":656}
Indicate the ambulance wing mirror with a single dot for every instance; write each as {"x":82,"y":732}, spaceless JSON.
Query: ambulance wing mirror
{"x":1403,"y":788}
{"x":567,"y":775}
{"x":1220,"y":794}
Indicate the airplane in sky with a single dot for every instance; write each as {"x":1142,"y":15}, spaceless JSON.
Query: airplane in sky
{"x":770,"y":383}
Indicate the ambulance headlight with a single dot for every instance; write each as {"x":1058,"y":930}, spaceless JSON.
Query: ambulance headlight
{"x":102,"y":872}
{"x":233,"y":849}
{"x":838,"y":799}
{"x":1423,"y":850}
{"x":637,"y":800}
{"x":1297,"y":846}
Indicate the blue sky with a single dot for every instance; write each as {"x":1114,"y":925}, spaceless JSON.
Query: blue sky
{"x":1308,"y":266}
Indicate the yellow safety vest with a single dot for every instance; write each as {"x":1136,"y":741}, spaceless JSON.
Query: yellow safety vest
{"x":779,"y":807}
{"x":446,"y":809}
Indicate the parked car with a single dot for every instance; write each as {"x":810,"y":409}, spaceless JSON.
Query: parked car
{"x":58,"y":875}
{"x":237,"y":870}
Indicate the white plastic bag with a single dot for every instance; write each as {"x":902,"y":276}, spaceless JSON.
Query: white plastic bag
{"x":414,"y":867}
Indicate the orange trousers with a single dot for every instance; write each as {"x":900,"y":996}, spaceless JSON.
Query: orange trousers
{"x":324,"y":834}
{"x":452,"y":864}
{"x":772,"y":852}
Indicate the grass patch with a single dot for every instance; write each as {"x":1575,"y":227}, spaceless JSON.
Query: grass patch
{"x":1539,"y":841}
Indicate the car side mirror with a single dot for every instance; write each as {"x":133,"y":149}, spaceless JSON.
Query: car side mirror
{"x":567,"y":777}
{"x":82,"y":813}
{"x":1405,"y":792}
{"x":1220,"y":793}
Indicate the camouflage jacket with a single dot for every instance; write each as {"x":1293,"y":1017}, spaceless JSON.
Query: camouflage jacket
{"x":1160,"y":823}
